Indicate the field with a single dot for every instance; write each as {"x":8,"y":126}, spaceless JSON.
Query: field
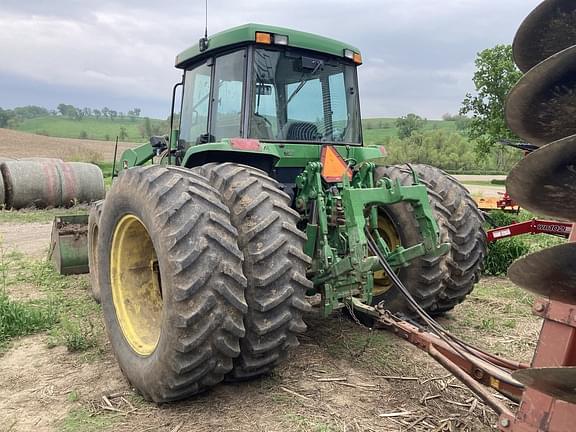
{"x":343,"y":377}
{"x":89,"y":128}
{"x":15,"y":144}
{"x":377,"y":130}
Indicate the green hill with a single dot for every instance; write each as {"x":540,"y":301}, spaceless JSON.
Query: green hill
{"x":92,"y":128}
{"x":378,"y":130}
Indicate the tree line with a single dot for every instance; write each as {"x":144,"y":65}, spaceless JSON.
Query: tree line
{"x":70,"y":111}
{"x":480,"y":126}
{"x":12,"y":117}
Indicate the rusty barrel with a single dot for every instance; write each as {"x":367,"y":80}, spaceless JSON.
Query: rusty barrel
{"x":46,"y":183}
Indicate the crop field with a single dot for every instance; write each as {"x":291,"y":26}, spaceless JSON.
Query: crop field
{"x":57,"y":372}
{"x":18,"y":145}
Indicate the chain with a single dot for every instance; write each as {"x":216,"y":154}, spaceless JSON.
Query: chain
{"x":370,"y":331}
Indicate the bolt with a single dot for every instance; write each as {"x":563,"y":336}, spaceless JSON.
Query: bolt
{"x":505,"y":422}
{"x":539,"y":307}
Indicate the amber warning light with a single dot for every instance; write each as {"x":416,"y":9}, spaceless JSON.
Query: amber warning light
{"x":333,"y":166}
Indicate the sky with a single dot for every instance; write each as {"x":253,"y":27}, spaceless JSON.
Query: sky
{"x":418,"y":54}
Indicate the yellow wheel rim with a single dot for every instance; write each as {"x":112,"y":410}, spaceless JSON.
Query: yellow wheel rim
{"x":135,"y":280}
{"x":388,"y":232}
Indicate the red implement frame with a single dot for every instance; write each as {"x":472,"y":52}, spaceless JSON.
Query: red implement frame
{"x":535,"y":226}
{"x":556,"y":347}
{"x":474,"y":367}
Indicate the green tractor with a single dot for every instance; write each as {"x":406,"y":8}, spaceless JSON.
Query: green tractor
{"x":260,"y":207}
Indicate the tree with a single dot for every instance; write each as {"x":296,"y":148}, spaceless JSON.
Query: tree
{"x":66,"y":110}
{"x":495,"y":76}
{"x":147,"y":127}
{"x":409,"y":124}
{"x":123,"y":134}
{"x":5,"y":115}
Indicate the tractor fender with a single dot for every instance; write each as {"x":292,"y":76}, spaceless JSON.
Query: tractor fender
{"x":239,"y":150}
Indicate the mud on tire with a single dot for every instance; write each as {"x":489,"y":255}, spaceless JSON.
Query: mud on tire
{"x":274,"y":265}
{"x":170,"y":275}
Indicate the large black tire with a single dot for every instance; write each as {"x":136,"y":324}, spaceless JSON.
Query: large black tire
{"x":190,"y":301}
{"x":440,"y":283}
{"x":93,"y":225}
{"x":274,"y":265}
{"x":468,"y":239}
{"x":424,"y":277}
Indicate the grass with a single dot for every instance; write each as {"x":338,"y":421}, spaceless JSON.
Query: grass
{"x":375,"y":130}
{"x":39,"y":216}
{"x":69,"y":315}
{"x":300,"y":423}
{"x":378,"y":130}
{"x":21,"y":318}
{"x":480,"y":183}
{"x":89,"y":128}
{"x":497,"y":316}
{"x":80,"y":419}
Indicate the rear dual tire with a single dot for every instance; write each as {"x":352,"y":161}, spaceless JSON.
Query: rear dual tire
{"x":172,"y":288}
{"x":202,"y":276}
{"x":274,"y":265}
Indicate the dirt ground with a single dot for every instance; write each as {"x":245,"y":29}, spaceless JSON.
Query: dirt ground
{"x":16,"y":145}
{"x":31,"y":239}
{"x":342,"y":377}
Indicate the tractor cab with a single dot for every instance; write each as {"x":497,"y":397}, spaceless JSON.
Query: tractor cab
{"x":270,"y":84}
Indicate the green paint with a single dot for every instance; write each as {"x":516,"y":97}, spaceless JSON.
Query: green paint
{"x":342,"y":268}
{"x":336,"y":214}
{"x":247,"y":33}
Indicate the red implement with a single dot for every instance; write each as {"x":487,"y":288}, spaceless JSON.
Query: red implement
{"x":535,"y":226}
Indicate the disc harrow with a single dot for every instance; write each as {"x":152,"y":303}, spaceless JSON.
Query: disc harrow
{"x":541,"y":109}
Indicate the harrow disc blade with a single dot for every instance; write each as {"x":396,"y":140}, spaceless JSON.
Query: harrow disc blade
{"x":544,"y":182}
{"x":550,"y":28}
{"x":559,"y":382}
{"x":550,"y":273}
{"x":542,"y":106}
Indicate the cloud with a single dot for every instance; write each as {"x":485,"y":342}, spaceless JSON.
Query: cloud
{"x":418,"y":55}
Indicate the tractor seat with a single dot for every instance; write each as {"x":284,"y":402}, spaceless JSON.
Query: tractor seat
{"x":302,"y":131}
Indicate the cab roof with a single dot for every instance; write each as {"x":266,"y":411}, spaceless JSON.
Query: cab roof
{"x":247,"y":33}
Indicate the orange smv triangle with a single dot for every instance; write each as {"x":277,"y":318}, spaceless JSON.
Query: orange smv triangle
{"x":333,"y":166}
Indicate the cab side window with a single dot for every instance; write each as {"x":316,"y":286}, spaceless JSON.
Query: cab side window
{"x":196,"y":103}
{"x":228,"y":95}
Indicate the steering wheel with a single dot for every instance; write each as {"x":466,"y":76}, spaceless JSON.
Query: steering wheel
{"x":264,"y":118}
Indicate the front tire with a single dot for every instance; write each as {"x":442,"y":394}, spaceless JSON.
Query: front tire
{"x":171,"y":286}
